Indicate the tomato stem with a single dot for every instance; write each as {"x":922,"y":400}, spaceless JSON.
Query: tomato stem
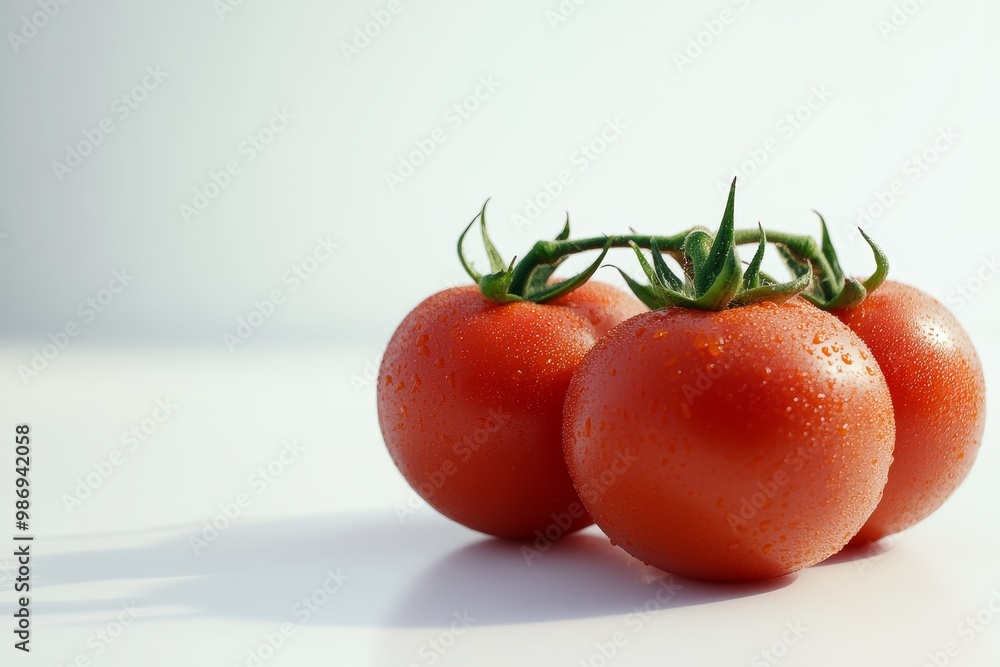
{"x":713,"y":277}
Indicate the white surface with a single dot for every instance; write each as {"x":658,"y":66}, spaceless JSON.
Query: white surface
{"x":334,"y":509}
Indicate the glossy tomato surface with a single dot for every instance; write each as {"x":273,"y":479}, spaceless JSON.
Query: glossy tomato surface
{"x":938,"y":396}
{"x":742,"y":444}
{"x":470,"y":397}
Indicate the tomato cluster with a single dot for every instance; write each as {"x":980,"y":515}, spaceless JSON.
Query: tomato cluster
{"x":724,"y":426}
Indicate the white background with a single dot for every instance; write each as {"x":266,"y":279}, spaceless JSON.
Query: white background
{"x":881,"y":94}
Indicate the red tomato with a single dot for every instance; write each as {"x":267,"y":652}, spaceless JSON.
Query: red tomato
{"x":938,"y":396}
{"x":470,"y":397}
{"x":741,"y":444}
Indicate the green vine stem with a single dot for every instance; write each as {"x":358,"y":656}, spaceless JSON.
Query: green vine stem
{"x":815,"y":268}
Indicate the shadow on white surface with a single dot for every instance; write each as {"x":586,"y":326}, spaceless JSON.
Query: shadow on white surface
{"x":581,"y":576}
{"x":417,"y":574}
{"x":854,"y":553}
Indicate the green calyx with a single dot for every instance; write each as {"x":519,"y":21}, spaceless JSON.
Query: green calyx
{"x":527,"y":280}
{"x":713,"y":274}
{"x":831,"y":289}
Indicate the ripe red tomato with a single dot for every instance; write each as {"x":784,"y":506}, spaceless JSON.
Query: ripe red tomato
{"x":740,"y":444}
{"x":470,"y":397}
{"x":938,"y":396}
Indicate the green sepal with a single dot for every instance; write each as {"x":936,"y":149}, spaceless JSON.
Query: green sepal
{"x":794,"y":266}
{"x":836,"y":278}
{"x":564,"y":287}
{"x":496,"y":286}
{"x":644,"y":293}
{"x":564,"y":234}
{"x":656,"y":294}
{"x":776,"y":293}
{"x":721,"y":262}
{"x":851,"y":294}
{"x":881,"y":265}
{"x":466,"y":264}
{"x":538,"y":280}
{"x":751,"y":278}
{"x":697,"y":249}
{"x":497,"y":265}
{"x":667,"y":277}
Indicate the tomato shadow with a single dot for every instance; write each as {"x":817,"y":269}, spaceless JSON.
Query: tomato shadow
{"x":365,"y":570}
{"x":859,"y":552}
{"x":581,"y":576}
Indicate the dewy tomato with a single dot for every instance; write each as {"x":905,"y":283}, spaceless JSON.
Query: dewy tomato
{"x":736,"y":431}
{"x":471,"y":389}
{"x":759,"y":438}
{"x":938,"y":396}
{"x":470,"y":397}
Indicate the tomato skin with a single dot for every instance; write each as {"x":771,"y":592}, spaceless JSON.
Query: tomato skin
{"x":938,"y":396}
{"x":470,"y":396}
{"x":742,"y":444}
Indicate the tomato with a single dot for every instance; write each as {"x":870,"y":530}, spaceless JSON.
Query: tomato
{"x":740,"y":444}
{"x":938,"y":396}
{"x":470,"y":397}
